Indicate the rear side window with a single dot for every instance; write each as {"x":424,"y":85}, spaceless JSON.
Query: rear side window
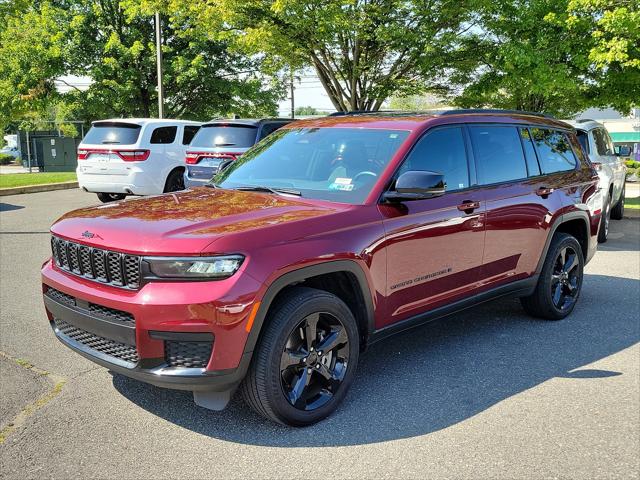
{"x":554,"y":150}
{"x":441,"y":151}
{"x":583,"y":138}
{"x":498,"y":153}
{"x":602,"y":142}
{"x":112,"y":133}
{"x":529,"y":152}
{"x":217,"y":135}
{"x":268,"y":129}
{"x":189,"y":133}
{"x":164,"y":135}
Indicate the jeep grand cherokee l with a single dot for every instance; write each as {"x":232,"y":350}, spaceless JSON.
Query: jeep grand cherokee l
{"x":325,"y":237}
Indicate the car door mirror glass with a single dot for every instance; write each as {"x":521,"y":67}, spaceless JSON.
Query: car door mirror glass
{"x":623,"y":151}
{"x":417,"y":185}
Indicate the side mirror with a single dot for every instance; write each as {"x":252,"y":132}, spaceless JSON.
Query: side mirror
{"x":623,"y":151}
{"x":417,"y":185}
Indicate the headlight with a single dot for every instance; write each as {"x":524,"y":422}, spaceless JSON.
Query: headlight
{"x":215,"y":268}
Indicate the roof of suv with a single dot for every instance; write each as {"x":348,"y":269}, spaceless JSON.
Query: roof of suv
{"x":253,"y":122}
{"x":585,"y":124}
{"x":416,"y":120}
{"x":145,"y":121}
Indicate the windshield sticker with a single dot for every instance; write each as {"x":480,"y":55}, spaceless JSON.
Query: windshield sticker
{"x":342,"y":184}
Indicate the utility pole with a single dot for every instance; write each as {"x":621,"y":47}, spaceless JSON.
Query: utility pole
{"x":293,"y":105}
{"x":159,"y":65}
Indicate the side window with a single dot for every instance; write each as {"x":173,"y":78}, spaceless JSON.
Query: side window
{"x":554,"y":150}
{"x":498,"y":153}
{"x":529,"y":152}
{"x":268,"y":129}
{"x":442,"y":151}
{"x":188,"y":134}
{"x":164,"y":135}
{"x":583,"y":138}
{"x":601,"y":141}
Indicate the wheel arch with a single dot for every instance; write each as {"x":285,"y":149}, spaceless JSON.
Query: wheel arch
{"x":178,"y":168}
{"x":575,"y":224}
{"x":321,"y":276}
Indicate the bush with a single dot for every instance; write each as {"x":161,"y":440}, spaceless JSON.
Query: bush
{"x":632,"y":164}
{"x":6,"y":159}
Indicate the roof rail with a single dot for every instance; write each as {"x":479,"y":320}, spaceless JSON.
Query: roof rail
{"x":462,"y":111}
{"x":585,"y":120}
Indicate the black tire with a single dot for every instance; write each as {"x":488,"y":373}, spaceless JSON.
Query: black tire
{"x":111,"y":197}
{"x":175,"y":181}
{"x":603,"y":231}
{"x":545,"y":302}
{"x":617,"y":212}
{"x":278,"y":361}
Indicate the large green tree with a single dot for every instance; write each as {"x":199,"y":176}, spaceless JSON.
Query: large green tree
{"x":363,"y":51}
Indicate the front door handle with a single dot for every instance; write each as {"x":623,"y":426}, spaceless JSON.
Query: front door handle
{"x":468,"y":206}
{"x":544,"y":192}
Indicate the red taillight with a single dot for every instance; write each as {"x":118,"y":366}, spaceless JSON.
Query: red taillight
{"x":83,"y":154}
{"x":192,"y":158}
{"x":133,"y":155}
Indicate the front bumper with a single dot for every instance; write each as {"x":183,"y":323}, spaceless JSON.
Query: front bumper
{"x":130,"y":332}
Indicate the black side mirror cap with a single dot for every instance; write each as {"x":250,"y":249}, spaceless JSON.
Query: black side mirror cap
{"x":417,"y":185}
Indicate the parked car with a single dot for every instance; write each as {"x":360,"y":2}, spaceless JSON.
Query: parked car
{"x":609,"y":164}
{"x":10,"y":151}
{"x":331,"y":235}
{"x":220,"y":142}
{"x":120,"y":157}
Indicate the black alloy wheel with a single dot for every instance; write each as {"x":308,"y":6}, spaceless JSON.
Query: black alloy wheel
{"x":314,"y":361}
{"x":175,"y":182}
{"x":565,"y":279}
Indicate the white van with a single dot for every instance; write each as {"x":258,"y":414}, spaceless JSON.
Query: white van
{"x":138,"y":156}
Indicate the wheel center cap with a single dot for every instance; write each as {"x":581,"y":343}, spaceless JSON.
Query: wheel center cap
{"x":312,"y":358}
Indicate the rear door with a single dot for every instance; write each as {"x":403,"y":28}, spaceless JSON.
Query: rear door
{"x":103,"y":147}
{"x":520,"y":201}
{"x":434,"y":246}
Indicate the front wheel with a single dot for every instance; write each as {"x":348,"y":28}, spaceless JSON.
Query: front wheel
{"x":617,"y":212}
{"x":110,"y":197}
{"x":305,"y":360}
{"x":560,"y":280}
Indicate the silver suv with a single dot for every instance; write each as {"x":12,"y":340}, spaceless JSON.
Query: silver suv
{"x":597,"y":144}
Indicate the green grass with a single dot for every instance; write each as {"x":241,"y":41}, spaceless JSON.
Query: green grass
{"x":22,"y":179}
{"x":632,"y":203}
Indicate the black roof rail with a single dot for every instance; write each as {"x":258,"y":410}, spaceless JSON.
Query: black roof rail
{"x":462,"y":111}
{"x":585,"y":120}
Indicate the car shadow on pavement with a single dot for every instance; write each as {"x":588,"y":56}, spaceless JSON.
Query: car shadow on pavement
{"x":7,"y":207}
{"x":435,"y":376}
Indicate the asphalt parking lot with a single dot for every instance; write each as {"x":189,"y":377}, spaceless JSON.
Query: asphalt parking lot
{"x":490,"y":393}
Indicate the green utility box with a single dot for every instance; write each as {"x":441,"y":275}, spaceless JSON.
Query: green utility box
{"x":56,"y":154}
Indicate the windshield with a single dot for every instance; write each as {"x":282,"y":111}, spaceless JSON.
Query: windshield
{"x":337,"y":164}
{"x":112,"y":133}
{"x":239,"y":136}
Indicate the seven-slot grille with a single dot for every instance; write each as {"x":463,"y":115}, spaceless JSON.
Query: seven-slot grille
{"x":104,"y":266}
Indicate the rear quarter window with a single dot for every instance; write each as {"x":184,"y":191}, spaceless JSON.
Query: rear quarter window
{"x":163,"y":135}
{"x":554,"y":150}
{"x":112,"y":133}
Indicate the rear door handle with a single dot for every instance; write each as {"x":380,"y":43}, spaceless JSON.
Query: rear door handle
{"x":468,"y":206}
{"x":544,"y":191}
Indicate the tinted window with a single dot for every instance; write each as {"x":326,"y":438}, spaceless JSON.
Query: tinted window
{"x":583,"y":138}
{"x":602,"y":142}
{"x":216,"y":135}
{"x":554,"y":150}
{"x":441,"y":151}
{"x":164,"y":135}
{"x":189,"y":133}
{"x":268,"y":129}
{"x":112,"y":133}
{"x":337,"y":164}
{"x":529,"y":152}
{"x":498,"y":153}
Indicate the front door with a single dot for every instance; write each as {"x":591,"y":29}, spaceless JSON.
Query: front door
{"x":434,"y":247}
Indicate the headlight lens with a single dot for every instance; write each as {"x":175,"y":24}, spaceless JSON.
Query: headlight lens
{"x":197,"y":267}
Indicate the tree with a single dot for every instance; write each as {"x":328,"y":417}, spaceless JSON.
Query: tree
{"x":415,"y":103}
{"x":362,"y":50}
{"x":302,"y":111}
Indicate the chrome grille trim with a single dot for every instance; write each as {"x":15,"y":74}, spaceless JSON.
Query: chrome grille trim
{"x":103,"y":266}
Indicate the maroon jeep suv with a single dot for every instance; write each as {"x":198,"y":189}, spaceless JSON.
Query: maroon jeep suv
{"x":325,"y":237}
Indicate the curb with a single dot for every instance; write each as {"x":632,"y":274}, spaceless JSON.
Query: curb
{"x":38,"y":188}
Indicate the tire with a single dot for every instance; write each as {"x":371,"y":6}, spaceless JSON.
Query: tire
{"x":617,"y":212}
{"x":603,"y":231}
{"x":175,"y":181}
{"x":111,"y":197}
{"x":286,"y":358}
{"x":547,"y":301}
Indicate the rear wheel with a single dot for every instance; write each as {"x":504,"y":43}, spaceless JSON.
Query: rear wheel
{"x":175,"y":181}
{"x":617,"y":212}
{"x":560,"y":281}
{"x":306,"y":359}
{"x":603,"y":232}
{"x":111,"y":197}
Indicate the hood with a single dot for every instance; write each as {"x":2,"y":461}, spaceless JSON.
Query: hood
{"x":184,"y":223}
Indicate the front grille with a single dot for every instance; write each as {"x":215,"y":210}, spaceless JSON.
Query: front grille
{"x":103,"y":345}
{"x":60,"y":297}
{"x":104,"y":266}
{"x":111,"y":314}
{"x":187,"y":354}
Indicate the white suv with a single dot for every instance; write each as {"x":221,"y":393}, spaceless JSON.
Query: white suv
{"x":597,"y":144}
{"x":120,"y":157}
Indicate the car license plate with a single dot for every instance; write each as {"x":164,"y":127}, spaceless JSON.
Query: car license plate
{"x":101,"y":157}
{"x":209,"y":162}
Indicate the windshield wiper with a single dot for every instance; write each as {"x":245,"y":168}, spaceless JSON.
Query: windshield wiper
{"x":211,"y":185}
{"x":262,"y":188}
